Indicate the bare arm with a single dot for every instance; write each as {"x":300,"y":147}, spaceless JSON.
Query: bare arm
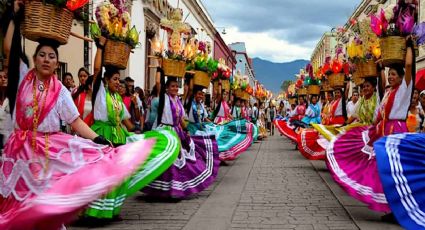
{"x":409,"y":64}
{"x":83,"y":129}
{"x":97,"y":66}
{"x":10,"y":29}
{"x":128,"y":124}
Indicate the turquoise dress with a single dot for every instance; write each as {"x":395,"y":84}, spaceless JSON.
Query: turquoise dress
{"x":312,"y":115}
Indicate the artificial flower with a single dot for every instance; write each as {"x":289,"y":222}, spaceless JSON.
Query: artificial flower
{"x":419,"y":32}
{"x":405,"y":23}
{"x":73,"y":5}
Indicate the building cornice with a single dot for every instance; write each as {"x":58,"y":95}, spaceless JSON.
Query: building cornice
{"x":319,"y":44}
{"x":196,"y":7}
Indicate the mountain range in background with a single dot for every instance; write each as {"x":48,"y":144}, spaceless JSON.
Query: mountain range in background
{"x":271,"y":74}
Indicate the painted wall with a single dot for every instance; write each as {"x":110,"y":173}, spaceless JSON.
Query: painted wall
{"x":136,"y":63}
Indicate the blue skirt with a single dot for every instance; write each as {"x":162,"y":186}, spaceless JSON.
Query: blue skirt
{"x":401,"y":166}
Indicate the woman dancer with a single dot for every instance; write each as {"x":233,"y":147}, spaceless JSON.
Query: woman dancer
{"x":112,"y":121}
{"x":197,"y":165}
{"x":307,"y":137}
{"x":49,"y":176}
{"x":346,"y":157}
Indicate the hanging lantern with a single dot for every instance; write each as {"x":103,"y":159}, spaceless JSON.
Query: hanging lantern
{"x":156,"y":45}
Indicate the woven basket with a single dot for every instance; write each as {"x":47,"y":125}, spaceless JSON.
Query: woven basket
{"x":46,"y":21}
{"x":201,"y":78}
{"x":302,"y":91}
{"x":292,"y":101}
{"x":326,"y":86}
{"x":336,"y":80}
{"x":357,"y":79}
{"x":313,"y":89}
{"x":225,"y":85}
{"x":239,"y":93}
{"x":393,"y":50}
{"x":174,"y":68}
{"x":116,"y":54}
{"x":368,"y":69}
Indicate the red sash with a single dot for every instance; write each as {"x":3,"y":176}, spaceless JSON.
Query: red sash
{"x":385,"y":109}
{"x":80,"y":103}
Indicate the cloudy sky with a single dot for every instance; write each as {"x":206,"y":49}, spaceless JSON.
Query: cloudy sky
{"x":279,"y":30}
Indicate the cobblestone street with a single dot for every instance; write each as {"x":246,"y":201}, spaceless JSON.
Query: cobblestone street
{"x":271,"y":186}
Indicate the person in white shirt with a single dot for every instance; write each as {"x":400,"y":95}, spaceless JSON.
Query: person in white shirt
{"x":351,"y":105}
{"x":6,"y":125}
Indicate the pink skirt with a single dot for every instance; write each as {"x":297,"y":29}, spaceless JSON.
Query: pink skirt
{"x":45,"y":190}
{"x":352,"y":163}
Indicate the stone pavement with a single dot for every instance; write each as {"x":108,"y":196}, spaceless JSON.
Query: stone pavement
{"x":271,"y":186}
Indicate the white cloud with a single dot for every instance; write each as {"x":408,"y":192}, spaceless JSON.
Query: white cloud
{"x":266,"y":46}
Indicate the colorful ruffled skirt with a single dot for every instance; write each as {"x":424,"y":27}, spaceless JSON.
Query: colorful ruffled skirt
{"x":308,"y":146}
{"x":401,"y":167}
{"x":233,"y":138}
{"x":352,"y":164}
{"x":193,"y":171}
{"x":162,"y":155}
{"x":48,"y":187}
{"x":286,"y":129}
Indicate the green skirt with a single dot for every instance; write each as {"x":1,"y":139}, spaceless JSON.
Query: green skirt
{"x":164,"y":152}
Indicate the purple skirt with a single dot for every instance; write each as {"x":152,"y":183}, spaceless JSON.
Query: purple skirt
{"x":194,"y":170}
{"x":352,"y":164}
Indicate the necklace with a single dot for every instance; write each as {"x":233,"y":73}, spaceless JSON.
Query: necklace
{"x":36,"y":117}
{"x":41,"y":87}
{"x":117,"y":107}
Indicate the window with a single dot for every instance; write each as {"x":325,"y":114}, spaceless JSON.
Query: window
{"x":63,"y":68}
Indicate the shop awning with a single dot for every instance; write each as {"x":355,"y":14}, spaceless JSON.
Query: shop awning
{"x":420,"y":80}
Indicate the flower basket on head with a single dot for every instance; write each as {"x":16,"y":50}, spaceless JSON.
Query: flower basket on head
{"x":173,"y":68}
{"x":225,"y":85}
{"x":113,"y":23}
{"x":242,"y":94}
{"x":336,"y":80}
{"x":368,"y":69}
{"x":46,"y":21}
{"x":326,"y":87}
{"x":292,"y":101}
{"x":302,"y":91}
{"x":116,"y":54}
{"x":313,"y":90}
{"x":201,"y":78}
{"x":393,"y":50}
{"x":204,"y":66}
{"x":239,"y":93}
{"x":357,"y":77}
